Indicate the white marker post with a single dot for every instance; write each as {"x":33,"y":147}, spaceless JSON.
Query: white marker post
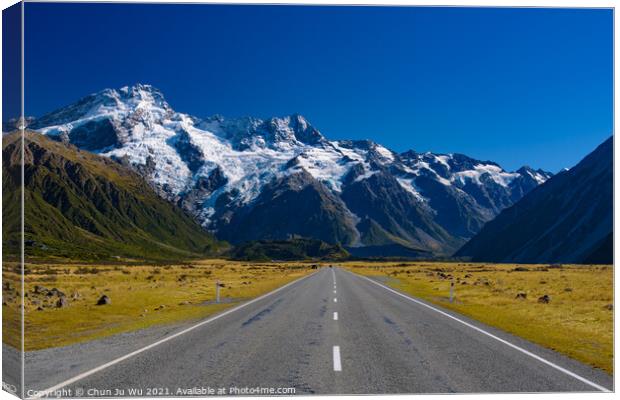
{"x":217,"y":291}
{"x":452,"y":290}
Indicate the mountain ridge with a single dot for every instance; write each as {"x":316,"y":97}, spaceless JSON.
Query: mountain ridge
{"x":568,"y":219}
{"x":218,"y":168}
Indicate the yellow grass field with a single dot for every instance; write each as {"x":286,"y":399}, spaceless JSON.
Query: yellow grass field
{"x":577,"y":321}
{"x":141,"y":296}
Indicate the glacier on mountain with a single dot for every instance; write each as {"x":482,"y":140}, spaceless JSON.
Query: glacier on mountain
{"x":215,"y":166}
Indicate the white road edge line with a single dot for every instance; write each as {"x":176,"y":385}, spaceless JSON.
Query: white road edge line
{"x":337,"y":364}
{"x":335,"y":316}
{"x":83,"y":375}
{"x":514,"y":346}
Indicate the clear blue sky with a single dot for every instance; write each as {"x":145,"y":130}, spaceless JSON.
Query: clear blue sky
{"x":517,"y":86}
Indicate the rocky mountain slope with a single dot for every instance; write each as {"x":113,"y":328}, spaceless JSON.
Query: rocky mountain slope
{"x":84,"y":206}
{"x":568,"y":219}
{"x":277,"y":178}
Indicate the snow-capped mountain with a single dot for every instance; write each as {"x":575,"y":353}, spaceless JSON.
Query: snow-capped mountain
{"x":249,"y":178}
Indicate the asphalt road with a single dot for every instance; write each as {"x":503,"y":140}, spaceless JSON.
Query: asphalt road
{"x":333,"y":332}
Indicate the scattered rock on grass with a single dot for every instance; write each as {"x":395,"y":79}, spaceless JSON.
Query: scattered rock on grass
{"x":544,"y":299}
{"x":521,"y":295}
{"x":62,"y":302}
{"x":609,"y":307}
{"x":55,"y":292}
{"x":103,"y":300}
{"x":40,"y":289}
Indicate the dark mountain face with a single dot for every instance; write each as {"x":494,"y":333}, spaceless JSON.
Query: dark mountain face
{"x":391,"y":215}
{"x":80,"y":205}
{"x":295,"y":206}
{"x":250,"y":179}
{"x":93,"y":135}
{"x":568,"y":219}
{"x":456,"y":211}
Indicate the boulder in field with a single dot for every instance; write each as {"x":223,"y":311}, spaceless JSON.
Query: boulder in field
{"x":62,"y":302}
{"x":56,"y":292}
{"x":544,"y":299}
{"x":103,"y":300}
{"x":38,"y":289}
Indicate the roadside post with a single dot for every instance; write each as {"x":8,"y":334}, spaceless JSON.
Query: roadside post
{"x":217,"y":291}
{"x":452,"y":290}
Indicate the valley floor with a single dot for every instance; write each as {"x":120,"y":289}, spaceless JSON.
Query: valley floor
{"x":140,"y":296}
{"x":323,"y":330}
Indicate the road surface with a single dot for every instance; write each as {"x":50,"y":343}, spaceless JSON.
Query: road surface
{"x":333,"y":332}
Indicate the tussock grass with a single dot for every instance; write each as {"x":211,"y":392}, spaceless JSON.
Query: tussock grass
{"x":141,"y":296}
{"x":577,"y":321}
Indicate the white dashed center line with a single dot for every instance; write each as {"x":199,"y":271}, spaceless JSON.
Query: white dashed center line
{"x":337,"y":364}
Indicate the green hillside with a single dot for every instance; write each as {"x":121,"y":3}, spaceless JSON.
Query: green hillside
{"x":287,"y":250}
{"x":85,"y":207}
